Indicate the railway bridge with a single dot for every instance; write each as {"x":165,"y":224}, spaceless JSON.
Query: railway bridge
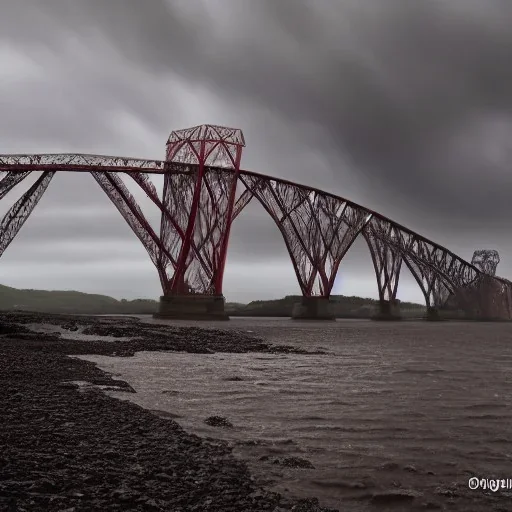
{"x":205,"y":190}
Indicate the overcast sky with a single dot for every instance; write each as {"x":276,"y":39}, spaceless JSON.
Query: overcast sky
{"x":401,"y":105}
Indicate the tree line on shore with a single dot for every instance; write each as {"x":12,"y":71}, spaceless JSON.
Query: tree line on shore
{"x":74,"y":302}
{"x":341,"y":306}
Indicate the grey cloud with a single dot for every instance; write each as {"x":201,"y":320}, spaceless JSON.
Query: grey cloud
{"x":387,"y":88}
{"x":107,"y":277}
{"x":403,"y":106}
{"x":255,"y":238}
{"x":45,"y":229}
{"x":80,"y":253}
{"x":53,"y":102}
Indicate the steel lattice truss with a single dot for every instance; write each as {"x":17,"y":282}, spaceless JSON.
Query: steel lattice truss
{"x":498,"y":299}
{"x":198,"y":200}
{"x":437,"y":271}
{"x":19,"y":212}
{"x":198,"y":206}
{"x":10,"y":180}
{"x":204,"y":260}
{"x":486,"y":261}
{"x":487,"y":297}
{"x":317,"y":229}
{"x":214,"y":146}
{"x":116,"y":190}
{"x":386,"y":258}
{"x":77,"y":162}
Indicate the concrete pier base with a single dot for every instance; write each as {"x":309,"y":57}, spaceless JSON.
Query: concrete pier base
{"x":313,"y":308}
{"x":433,"y":314}
{"x":192,"y":307}
{"x":388,"y":311}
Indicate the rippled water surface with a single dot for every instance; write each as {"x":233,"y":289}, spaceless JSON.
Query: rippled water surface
{"x":415,"y":405}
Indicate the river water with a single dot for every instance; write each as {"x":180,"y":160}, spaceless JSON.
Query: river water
{"x":412,"y":405}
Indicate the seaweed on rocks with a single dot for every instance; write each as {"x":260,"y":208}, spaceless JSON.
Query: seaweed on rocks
{"x":131,"y":335}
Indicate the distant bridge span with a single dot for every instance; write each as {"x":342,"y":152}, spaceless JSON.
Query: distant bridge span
{"x":204,"y":192}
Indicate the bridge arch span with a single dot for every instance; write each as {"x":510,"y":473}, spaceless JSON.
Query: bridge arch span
{"x":318,"y":228}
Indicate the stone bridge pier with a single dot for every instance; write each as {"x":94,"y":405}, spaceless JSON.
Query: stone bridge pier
{"x":388,"y":310}
{"x":192,"y":307}
{"x":313,"y":308}
{"x":433,"y":314}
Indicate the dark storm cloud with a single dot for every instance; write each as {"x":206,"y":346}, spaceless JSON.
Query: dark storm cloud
{"x":55,"y":95}
{"x":389,"y":84}
{"x":404,"y":106}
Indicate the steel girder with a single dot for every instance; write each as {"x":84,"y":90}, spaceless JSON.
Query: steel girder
{"x":22,"y":208}
{"x":209,"y":196}
{"x":77,"y":162}
{"x":10,"y":180}
{"x":486,"y":260}
{"x":387,"y":260}
{"x":317,"y":227}
{"x":202,"y":166}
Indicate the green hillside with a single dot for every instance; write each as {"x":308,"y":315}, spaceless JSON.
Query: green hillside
{"x":86,"y":303}
{"x":71,"y":302}
{"x":343,"y":307}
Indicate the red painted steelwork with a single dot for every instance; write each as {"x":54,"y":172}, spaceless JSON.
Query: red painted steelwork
{"x":198,"y":206}
{"x":206,"y":198}
{"x":20,"y":211}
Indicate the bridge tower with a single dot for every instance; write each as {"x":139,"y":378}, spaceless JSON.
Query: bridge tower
{"x":200,"y":180}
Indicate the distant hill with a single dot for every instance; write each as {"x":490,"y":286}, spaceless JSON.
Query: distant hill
{"x":93,"y":304}
{"x":71,"y":302}
{"x":342,"y":306}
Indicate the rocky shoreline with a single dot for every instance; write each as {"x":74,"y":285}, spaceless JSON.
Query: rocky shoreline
{"x":67,"y":447}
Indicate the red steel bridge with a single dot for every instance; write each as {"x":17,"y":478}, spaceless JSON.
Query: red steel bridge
{"x":205,"y":190}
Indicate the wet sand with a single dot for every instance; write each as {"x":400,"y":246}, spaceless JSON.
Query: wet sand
{"x":398,"y":416}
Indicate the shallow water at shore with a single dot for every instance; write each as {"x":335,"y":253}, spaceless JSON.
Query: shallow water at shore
{"x":420,"y":406}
